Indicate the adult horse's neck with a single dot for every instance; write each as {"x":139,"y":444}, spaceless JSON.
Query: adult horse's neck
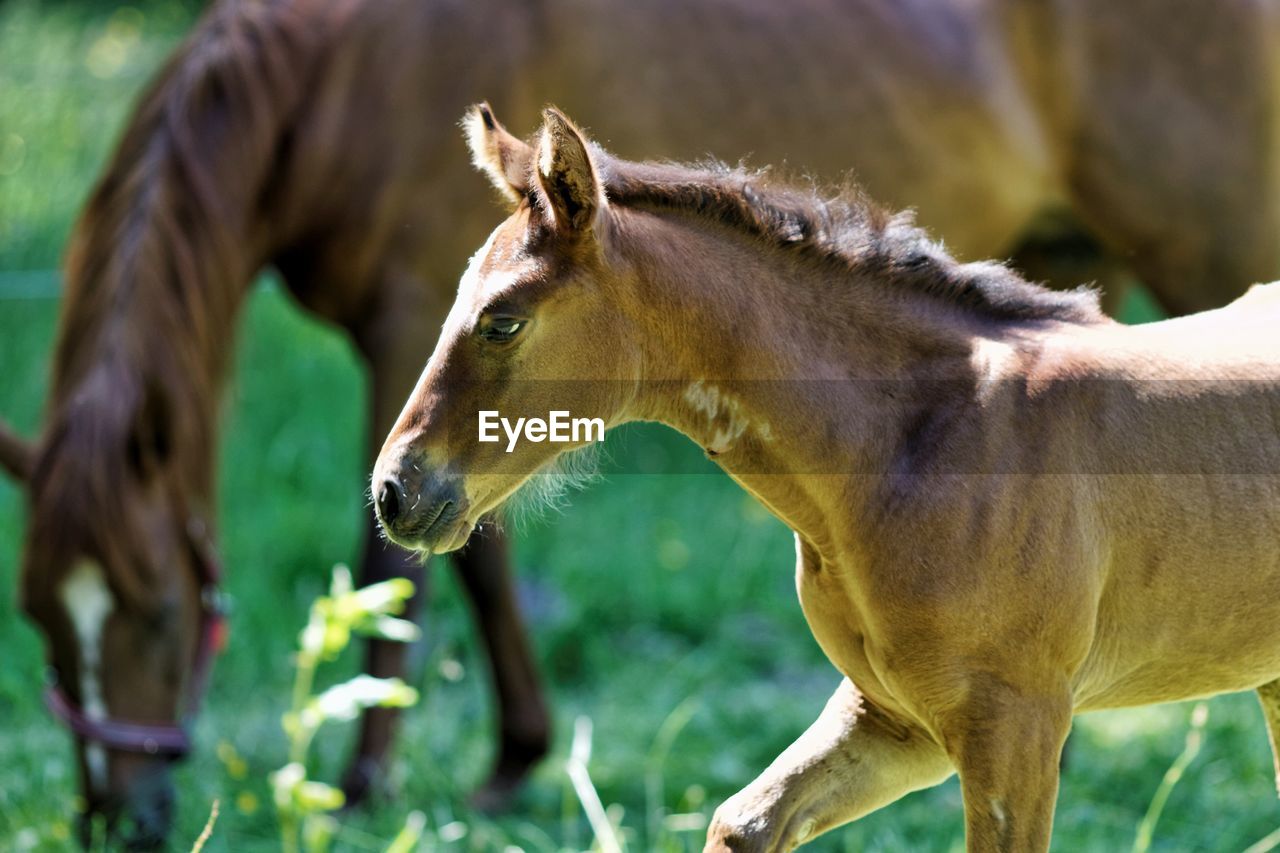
{"x":154,"y":286}
{"x":800,"y":378}
{"x":166,"y":248}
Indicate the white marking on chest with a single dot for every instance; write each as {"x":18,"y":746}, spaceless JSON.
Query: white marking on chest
{"x":724,"y":414}
{"x":89,"y":602}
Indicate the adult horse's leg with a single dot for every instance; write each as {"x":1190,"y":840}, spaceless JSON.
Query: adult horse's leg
{"x":851,"y":761}
{"x":1177,"y":177}
{"x":392,"y":373}
{"x":381,"y":561}
{"x":523,"y":721}
{"x":524,"y":725}
{"x":1269,"y":697}
{"x":393,"y":344}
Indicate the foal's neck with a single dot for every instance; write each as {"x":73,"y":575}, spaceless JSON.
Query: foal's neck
{"x":783,"y":365}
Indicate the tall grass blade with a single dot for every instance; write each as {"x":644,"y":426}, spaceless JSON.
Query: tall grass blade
{"x":1195,"y":738}
{"x":655,"y":763}
{"x":203,"y":838}
{"x":576,"y":766}
{"x":1265,"y":844}
{"x":410,"y":834}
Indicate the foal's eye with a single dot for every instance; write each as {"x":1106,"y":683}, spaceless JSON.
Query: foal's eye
{"x":499,"y":330}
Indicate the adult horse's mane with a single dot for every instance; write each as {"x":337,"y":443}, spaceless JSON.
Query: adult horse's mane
{"x":843,"y":227}
{"x":156,"y":268}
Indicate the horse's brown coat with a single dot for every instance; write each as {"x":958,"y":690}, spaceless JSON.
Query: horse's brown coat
{"x":1007,"y":508}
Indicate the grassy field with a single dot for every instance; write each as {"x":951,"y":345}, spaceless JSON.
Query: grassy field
{"x":654,"y":600}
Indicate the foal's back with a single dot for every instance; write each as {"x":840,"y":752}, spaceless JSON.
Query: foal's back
{"x":1239,"y":341}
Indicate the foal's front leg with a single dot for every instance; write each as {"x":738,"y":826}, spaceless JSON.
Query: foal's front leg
{"x":851,"y":761}
{"x":1007,"y":746}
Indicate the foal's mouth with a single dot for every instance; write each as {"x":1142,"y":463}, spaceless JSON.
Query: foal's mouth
{"x":437,"y":518}
{"x":436,"y":528}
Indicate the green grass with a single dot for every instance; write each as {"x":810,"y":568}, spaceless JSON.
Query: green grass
{"x":651,"y":593}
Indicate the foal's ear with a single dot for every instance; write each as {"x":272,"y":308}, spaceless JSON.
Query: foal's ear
{"x":501,"y":156}
{"x":566,"y":173}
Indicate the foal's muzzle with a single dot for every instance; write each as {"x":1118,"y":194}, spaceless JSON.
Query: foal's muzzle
{"x":418,"y":509}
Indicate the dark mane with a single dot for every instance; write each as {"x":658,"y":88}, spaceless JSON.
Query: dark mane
{"x":155,"y":271}
{"x":842,"y":227}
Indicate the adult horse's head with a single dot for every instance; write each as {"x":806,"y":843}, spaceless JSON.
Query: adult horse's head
{"x":118,"y":576}
{"x":534,"y":331}
{"x":117,"y":570}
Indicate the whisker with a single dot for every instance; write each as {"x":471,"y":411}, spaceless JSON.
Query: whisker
{"x":549,"y":488}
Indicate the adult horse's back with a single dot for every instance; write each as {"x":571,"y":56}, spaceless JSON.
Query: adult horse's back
{"x":1141,"y":142}
{"x":319,"y":137}
{"x":1138,"y":141}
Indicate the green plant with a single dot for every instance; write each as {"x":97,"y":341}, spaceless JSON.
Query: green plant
{"x":1195,"y":737}
{"x":304,"y":805}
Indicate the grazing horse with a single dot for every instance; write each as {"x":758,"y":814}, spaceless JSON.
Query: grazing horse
{"x":1088,"y":138}
{"x":226,"y":166}
{"x":1007,"y":508}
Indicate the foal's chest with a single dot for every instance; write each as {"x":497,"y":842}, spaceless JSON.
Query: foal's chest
{"x":840,"y":628}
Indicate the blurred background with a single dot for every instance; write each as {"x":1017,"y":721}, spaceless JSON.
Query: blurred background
{"x":661,"y":604}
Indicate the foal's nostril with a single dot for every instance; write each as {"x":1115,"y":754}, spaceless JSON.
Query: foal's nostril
{"x":390,"y":500}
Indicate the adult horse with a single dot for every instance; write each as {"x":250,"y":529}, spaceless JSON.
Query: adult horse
{"x":314,"y":136}
{"x":1007,"y":507}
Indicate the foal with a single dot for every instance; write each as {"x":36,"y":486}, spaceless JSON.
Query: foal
{"x":1007,"y":508}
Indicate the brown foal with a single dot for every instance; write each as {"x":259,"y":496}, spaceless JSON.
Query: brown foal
{"x":1007,"y":508}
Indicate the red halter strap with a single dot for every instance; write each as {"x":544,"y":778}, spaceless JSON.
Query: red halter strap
{"x":169,"y":739}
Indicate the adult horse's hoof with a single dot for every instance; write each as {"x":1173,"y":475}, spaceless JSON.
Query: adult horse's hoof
{"x":519,"y":756}
{"x":363,"y":776}
{"x":496,"y":795}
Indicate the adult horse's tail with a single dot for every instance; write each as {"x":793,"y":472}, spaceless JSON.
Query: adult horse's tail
{"x":16,"y":454}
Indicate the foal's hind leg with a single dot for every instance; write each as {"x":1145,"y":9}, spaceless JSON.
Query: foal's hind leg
{"x":1269,"y":697}
{"x":851,"y":761}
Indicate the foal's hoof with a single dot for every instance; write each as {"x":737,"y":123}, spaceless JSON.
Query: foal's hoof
{"x":743,"y":825}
